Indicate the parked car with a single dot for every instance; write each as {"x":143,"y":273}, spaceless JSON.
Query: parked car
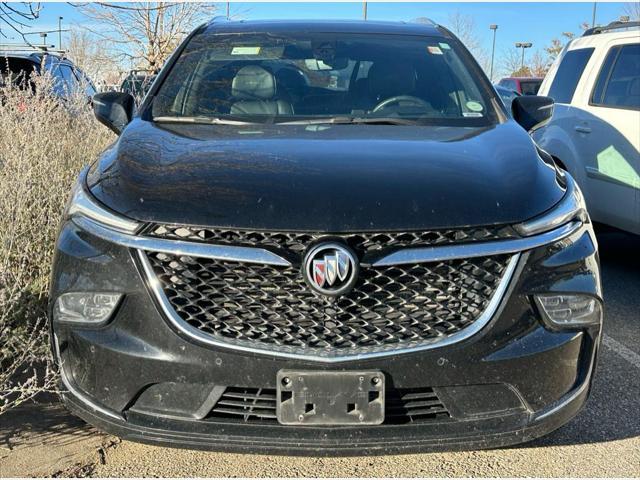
{"x":595,"y":130}
{"x":384,"y":265}
{"x":522,"y":85}
{"x":67,"y":79}
{"x":507,"y":96}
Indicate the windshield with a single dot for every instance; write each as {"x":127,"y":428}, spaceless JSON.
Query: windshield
{"x":318,"y":77}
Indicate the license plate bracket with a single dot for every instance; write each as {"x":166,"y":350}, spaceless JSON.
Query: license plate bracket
{"x":330,"y":398}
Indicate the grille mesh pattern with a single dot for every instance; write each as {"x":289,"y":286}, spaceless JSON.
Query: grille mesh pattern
{"x":389,"y":308}
{"x":297,"y":242}
{"x":259,"y":404}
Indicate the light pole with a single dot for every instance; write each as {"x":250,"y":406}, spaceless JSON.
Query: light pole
{"x":523,"y":45}
{"x":59,"y":33}
{"x":364,"y":9}
{"x":593,"y":17}
{"x":493,"y":27}
{"x":228,"y":6}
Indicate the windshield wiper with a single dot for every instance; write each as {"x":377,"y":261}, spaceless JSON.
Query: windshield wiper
{"x":201,"y":120}
{"x":352,"y":120}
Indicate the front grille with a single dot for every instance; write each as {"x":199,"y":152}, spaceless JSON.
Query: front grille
{"x":259,"y":405}
{"x":298,"y":242}
{"x":271,"y":307}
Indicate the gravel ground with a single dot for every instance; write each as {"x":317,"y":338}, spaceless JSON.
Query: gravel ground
{"x":603,"y":440}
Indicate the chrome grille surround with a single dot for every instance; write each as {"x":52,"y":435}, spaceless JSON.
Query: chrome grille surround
{"x":268,"y":308}
{"x":298,"y":242}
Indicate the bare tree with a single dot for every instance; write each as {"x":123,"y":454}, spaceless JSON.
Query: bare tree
{"x":464,"y":28}
{"x":92,"y":56}
{"x":16,"y":15}
{"x":538,"y":64}
{"x":511,"y":61}
{"x":557,"y":44}
{"x":145,"y":32}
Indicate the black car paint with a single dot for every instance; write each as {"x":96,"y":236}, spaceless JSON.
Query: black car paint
{"x":343,"y":177}
{"x":504,"y":385}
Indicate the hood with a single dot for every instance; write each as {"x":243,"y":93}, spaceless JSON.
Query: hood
{"x":325,"y":178}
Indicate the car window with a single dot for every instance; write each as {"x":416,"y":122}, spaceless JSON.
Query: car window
{"x":18,"y":71}
{"x":284,"y":77}
{"x":618,"y":83}
{"x":85,"y":82}
{"x":603,"y":76}
{"x":530,"y":87}
{"x":69,"y":78}
{"x":508,"y":83}
{"x":59,"y":85}
{"x":568,"y":74}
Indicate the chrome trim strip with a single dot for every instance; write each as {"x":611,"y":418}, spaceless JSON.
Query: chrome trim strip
{"x":471,"y":250}
{"x":570,"y":207}
{"x":179,"y":247}
{"x":83,"y":204}
{"x":194,"y":333}
{"x":77,"y":393}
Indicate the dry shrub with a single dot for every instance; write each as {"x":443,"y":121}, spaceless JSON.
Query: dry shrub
{"x":44,"y":142}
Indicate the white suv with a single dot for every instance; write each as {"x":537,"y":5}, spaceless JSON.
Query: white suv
{"x":595,"y":129}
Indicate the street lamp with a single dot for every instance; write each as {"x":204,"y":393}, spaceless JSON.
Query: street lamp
{"x":364,"y":9}
{"x":59,"y":33}
{"x":523,"y":45}
{"x":493,"y":27}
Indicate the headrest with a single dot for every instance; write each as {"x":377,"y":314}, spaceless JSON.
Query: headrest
{"x":252,"y":83}
{"x":388,"y":80}
{"x":634,"y":87}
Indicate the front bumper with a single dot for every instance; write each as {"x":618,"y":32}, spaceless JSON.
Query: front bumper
{"x":142,"y":379}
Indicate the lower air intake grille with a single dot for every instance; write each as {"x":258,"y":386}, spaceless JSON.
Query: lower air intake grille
{"x":259,"y":405}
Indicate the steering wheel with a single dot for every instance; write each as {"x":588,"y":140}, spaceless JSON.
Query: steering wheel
{"x":398,"y":99}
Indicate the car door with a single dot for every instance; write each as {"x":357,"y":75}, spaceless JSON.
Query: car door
{"x":608,"y":136}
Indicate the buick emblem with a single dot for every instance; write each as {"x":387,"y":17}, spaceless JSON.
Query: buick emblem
{"x":330,"y":269}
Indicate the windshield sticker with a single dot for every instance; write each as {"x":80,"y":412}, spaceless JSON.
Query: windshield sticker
{"x":434,"y":50}
{"x":245,"y":51}
{"x":445,"y":46}
{"x":475,"y":106}
{"x":472,"y":114}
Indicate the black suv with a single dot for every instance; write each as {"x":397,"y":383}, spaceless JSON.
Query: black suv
{"x":325,"y":238}
{"x":18,"y":66}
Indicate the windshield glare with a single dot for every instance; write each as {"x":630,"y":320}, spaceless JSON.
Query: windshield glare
{"x":285,"y":78}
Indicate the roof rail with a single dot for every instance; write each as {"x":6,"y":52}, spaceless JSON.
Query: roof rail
{"x":27,"y":47}
{"x":612,"y":26}
{"x":217,"y":19}
{"x":423,"y":21}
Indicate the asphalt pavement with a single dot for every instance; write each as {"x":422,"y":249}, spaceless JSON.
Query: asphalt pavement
{"x":603,"y":440}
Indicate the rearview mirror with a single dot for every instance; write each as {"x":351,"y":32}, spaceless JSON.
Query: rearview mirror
{"x":532,"y":111}
{"x":113,"y":109}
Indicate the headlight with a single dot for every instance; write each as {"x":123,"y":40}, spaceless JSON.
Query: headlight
{"x":89,"y":308}
{"x":571,"y":207}
{"x":82,"y":204}
{"x":569,"y":310}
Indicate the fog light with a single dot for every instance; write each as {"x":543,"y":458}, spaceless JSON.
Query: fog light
{"x":91,"y":308}
{"x":569,"y":311}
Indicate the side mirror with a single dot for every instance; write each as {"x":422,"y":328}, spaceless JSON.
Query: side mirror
{"x":532,"y":111}
{"x":113,"y":109}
